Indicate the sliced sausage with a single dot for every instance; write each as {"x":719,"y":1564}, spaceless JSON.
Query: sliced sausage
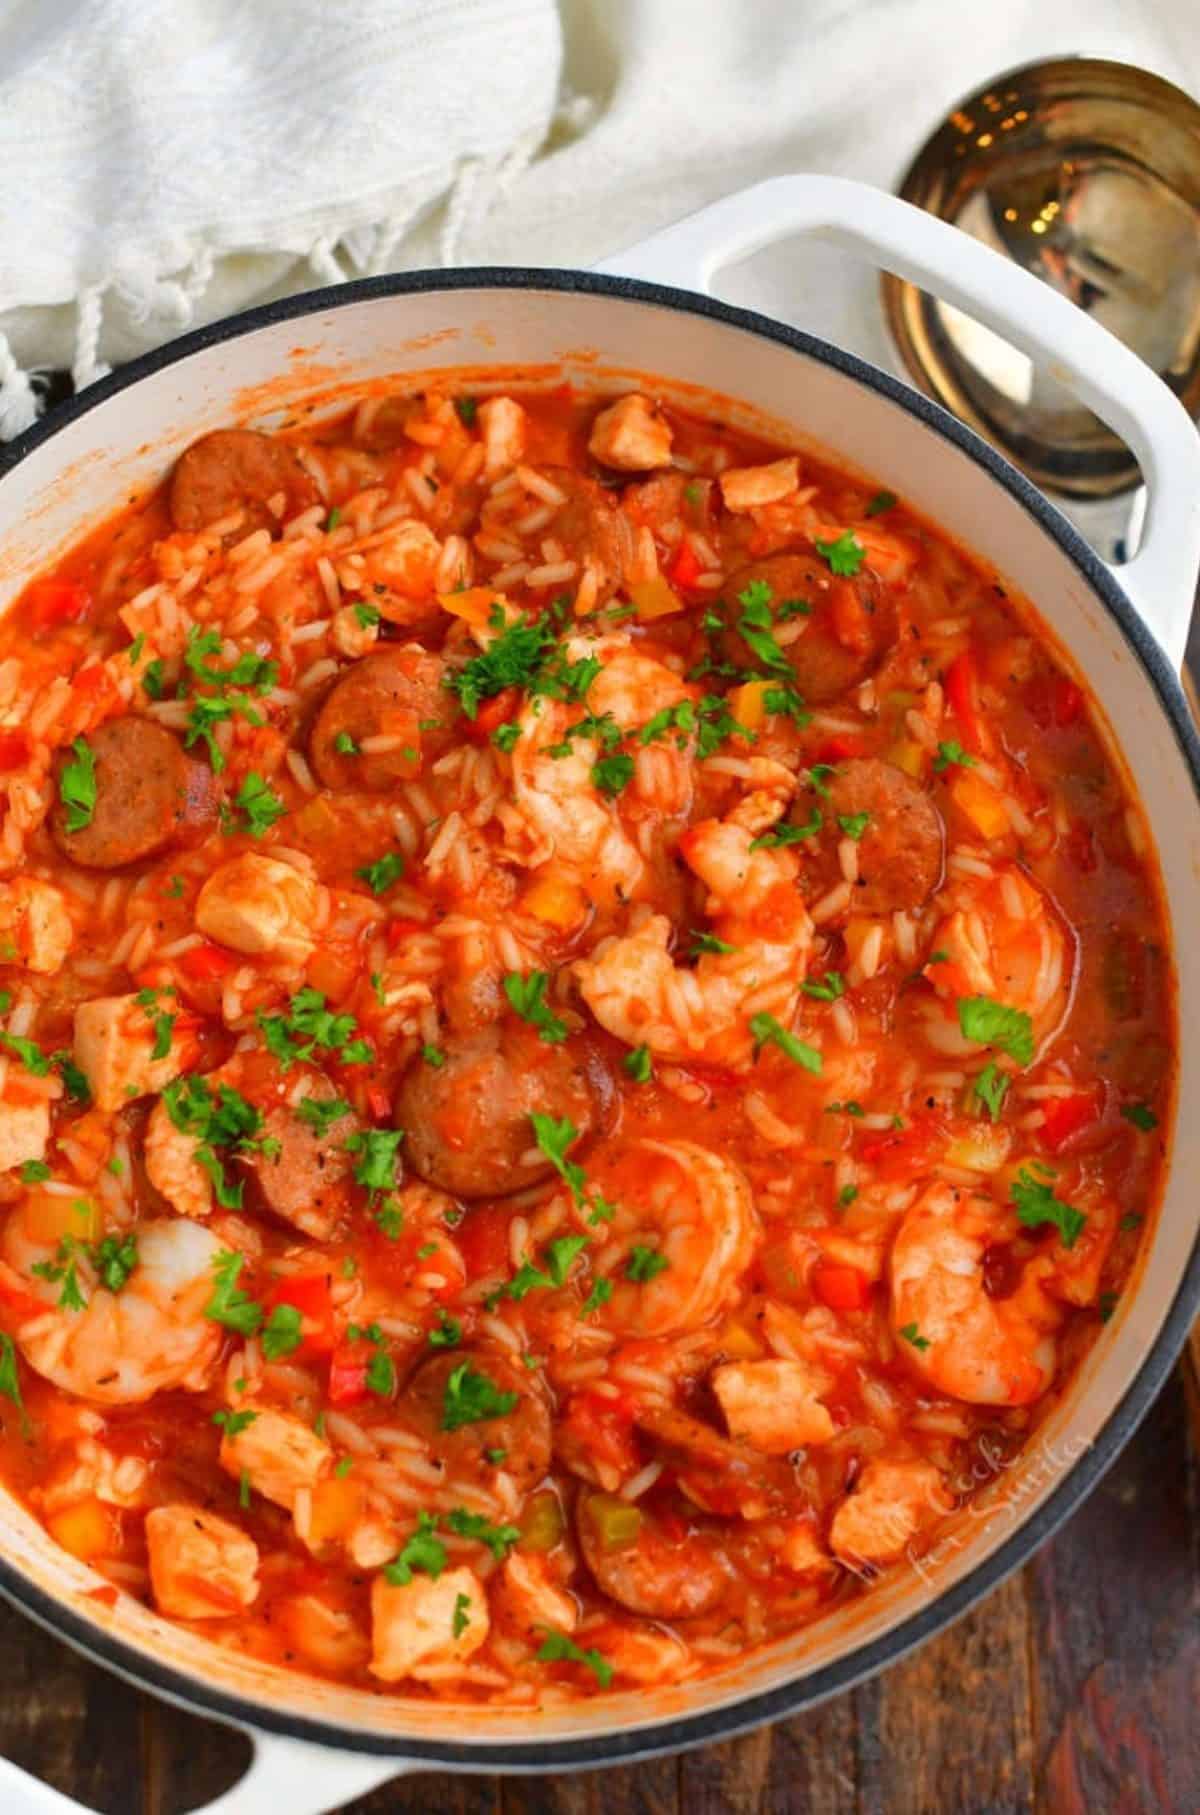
{"x":439,"y":1392}
{"x":721,"y":1475}
{"x":148,"y":793}
{"x":238,"y":469}
{"x":306,"y":1179}
{"x":665,"y":1578}
{"x":467,"y":1121}
{"x":391,"y":693}
{"x":823,"y":665}
{"x":590,"y":527}
{"x":900,"y":850}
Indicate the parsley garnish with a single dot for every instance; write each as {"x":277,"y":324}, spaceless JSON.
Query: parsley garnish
{"x":991,"y":1087}
{"x":846,"y":1196}
{"x":321,"y":1113}
{"x":307,"y":1028}
{"x":381,"y":1375}
{"x":599,"y":1295}
{"x":467,"y":409}
{"x":448,"y":1334}
{"x":755,"y":624}
{"x":1140,"y":1115}
{"x":471,"y":1398}
{"x":526,"y":997}
{"x":10,"y":1379}
{"x":234,"y":1423}
{"x":708,"y":942}
{"x":498,"y":1538}
{"x":33,"y":1172}
{"x":828,"y":991}
{"x":152,"y":679}
{"x":283,"y":1333}
{"x":114,"y":1259}
{"x":77,"y":786}
{"x":557,"y":1648}
{"x":378,"y":1150}
{"x":854,"y":824}
{"x":639,"y":1065}
{"x":423,"y":1551}
{"x":1035,"y":1203}
{"x":880,"y":502}
{"x":951,"y":753}
{"x":789,"y":834}
{"x":612,"y":773}
{"x":380,"y":875}
{"x":512,"y":660}
{"x":911,"y":1334}
{"x":462,"y":1615}
{"x":367,"y":615}
{"x":764,"y":1028}
{"x":433,"y":1055}
{"x":229,"y":1305}
{"x":996,"y":1024}
{"x":644,"y":1264}
{"x":845,"y":555}
{"x":259,"y":807}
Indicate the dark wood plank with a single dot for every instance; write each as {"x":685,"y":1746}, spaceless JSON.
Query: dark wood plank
{"x":649,"y":1789}
{"x":1116,"y":1642}
{"x":809,"y":1763}
{"x":187,"y":1762}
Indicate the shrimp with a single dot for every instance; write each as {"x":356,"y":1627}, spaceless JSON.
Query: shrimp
{"x":966,"y":1344}
{"x":553,"y":768}
{"x":1002,"y":939}
{"x":693,"y":1210}
{"x":637,"y":991}
{"x":124,"y":1346}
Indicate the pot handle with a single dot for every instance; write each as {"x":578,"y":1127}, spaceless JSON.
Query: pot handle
{"x":290,"y":1775}
{"x":1091,"y":362}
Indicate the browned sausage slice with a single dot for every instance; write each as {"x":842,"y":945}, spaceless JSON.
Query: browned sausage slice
{"x":467,"y":1122}
{"x":822,"y":665}
{"x":649,"y":1573}
{"x":590,"y":526}
{"x":447,"y":1385}
{"x":900,"y":850}
{"x":381,"y":703}
{"x":147,"y":793}
{"x":238,"y":469}
{"x":306,"y":1181}
{"x":723,"y":1476}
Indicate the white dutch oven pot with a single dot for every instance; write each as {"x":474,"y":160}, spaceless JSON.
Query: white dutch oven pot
{"x":315,"y":1745}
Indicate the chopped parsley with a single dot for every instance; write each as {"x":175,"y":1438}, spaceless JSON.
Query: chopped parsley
{"x":472,"y":1398}
{"x":152,"y":679}
{"x":367,"y":615}
{"x":380,"y":875}
{"x":423,"y":1551}
{"x":846,"y":1196}
{"x":990,"y":1088}
{"x":612,"y":773}
{"x":638,"y":1065}
{"x":249,"y":670}
{"x":1035,"y":1204}
{"x":381,"y":1375}
{"x":224,"y":1119}
{"x":28,"y":1051}
{"x":951,"y":753}
{"x":379,"y":1155}
{"x":211,"y":710}
{"x":512,"y":660}
{"x":310,"y":1027}
{"x":681,"y":718}
{"x":461,"y":1618}
{"x":229,"y":1305}
{"x":320,"y":1113}
{"x":498,"y":1538}
{"x":996,"y":1024}
{"x":467,"y":409}
{"x":789,"y":834}
{"x":911,"y":1334}
{"x":845,"y":555}
{"x":258,"y":806}
{"x":33,"y":1172}
{"x":74,"y":1081}
{"x":526,"y":997}
{"x":77,"y":786}
{"x":448,"y":1334}
{"x":558,"y":1648}
{"x":756,"y":625}
{"x":854,"y":824}
{"x":10,"y":1379}
{"x":708,"y":942}
{"x":114,"y":1259}
{"x":764,"y":1028}
{"x":507,"y":737}
{"x":1140,"y":1115}
{"x":849,"y":1107}
{"x":644,"y":1264}
{"x":234,"y":1423}
{"x":599,"y":1296}
{"x":282,"y":1334}
{"x":433,"y":1055}
{"x":345,"y":745}
{"x":62,"y":1270}
{"x":880,"y":502}
{"x":833,"y":986}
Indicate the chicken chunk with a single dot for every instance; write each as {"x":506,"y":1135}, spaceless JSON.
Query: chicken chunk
{"x":201,"y":1567}
{"x":802,"y":1552}
{"x":632,"y":435}
{"x":774,"y":1405}
{"x":889,"y":1506}
{"x":532,"y":1600}
{"x":35,"y":927}
{"x":279,"y":1453}
{"x":646,"y":1654}
{"x":24,"y":1133}
{"x":749,"y":487}
{"x":257,"y":904}
{"x":351,"y":637}
{"x":426,"y":1628}
{"x":505,"y":428}
{"x":172,"y":1166}
{"x":115,"y":1041}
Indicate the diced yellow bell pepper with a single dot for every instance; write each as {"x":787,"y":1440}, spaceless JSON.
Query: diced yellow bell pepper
{"x":555,"y":901}
{"x":336,"y":1507}
{"x":981,"y":804}
{"x":655,"y":599}
{"x":615,"y":1522}
{"x":87,"y":1529}
{"x":738,"y":1343}
{"x":474,"y":605}
{"x":748,"y":704}
{"x":47,"y":1217}
{"x":909,"y":756}
{"x":318,"y":819}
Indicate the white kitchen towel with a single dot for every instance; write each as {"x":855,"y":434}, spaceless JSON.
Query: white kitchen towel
{"x":168,"y":161}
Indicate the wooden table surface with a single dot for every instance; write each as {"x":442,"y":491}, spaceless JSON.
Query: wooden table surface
{"x":1073,"y":1689}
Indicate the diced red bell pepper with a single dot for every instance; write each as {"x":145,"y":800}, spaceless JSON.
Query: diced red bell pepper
{"x":207,"y":963}
{"x":841,"y":1288}
{"x":482,"y":1240}
{"x":962,"y":694}
{"x":54,"y":601}
{"x":14,"y":749}
{"x":348,"y":1372}
{"x":840,"y":748}
{"x":684,"y":569}
{"x":602,"y":1429}
{"x":492,"y":714}
{"x":1067,"y":1116}
{"x":309,"y":1294}
{"x":1066,"y":702}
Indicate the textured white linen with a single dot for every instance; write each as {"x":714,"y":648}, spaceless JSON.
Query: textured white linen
{"x":168,"y":161}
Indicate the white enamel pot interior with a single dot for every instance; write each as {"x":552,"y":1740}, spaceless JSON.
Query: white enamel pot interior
{"x":317,"y":1744}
